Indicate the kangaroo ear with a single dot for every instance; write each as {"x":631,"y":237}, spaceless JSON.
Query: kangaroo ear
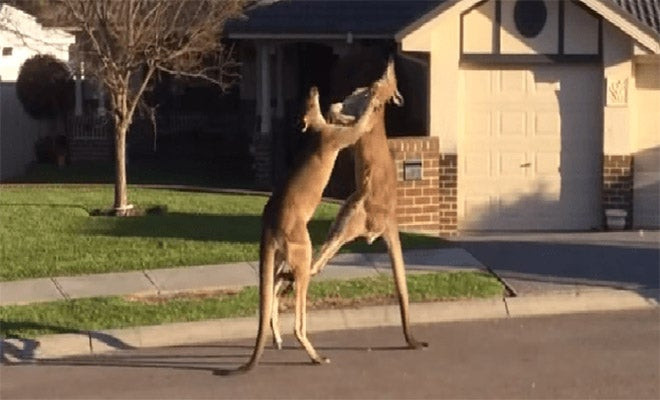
{"x":313,"y":109}
{"x":389,"y":74}
{"x":397,"y":98}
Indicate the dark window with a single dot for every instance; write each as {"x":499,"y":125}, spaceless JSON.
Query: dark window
{"x":6,"y":51}
{"x":530,"y":17}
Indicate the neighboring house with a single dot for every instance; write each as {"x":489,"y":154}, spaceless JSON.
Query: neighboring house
{"x":22,"y":37}
{"x":538,"y":114}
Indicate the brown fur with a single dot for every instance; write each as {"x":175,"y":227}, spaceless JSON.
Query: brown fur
{"x":370,"y":211}
{"x":284,"y":235}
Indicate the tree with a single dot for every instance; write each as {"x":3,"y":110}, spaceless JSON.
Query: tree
{"x":124,"y":44}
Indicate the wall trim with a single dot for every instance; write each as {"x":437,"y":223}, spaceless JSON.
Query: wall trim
{"x":530,"y":58}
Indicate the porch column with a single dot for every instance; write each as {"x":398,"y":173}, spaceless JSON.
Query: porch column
{"x":100,"y":109}
{"x":264,"y":70}
{"x":262,"y":140}
{"x":279,"y":111}
{"x":78,"y":93}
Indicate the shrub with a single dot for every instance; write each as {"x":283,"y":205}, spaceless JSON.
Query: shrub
{"x":45,"y":87}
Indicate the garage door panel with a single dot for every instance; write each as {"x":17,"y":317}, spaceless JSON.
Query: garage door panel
{"x":546,"y":123}
{"x":512,"y":123}
{"x":479,"y":122}
{"x":512,"y":164}
{"x":477,"y":164}
{"x":544,"y":170}
{"x":512,"y":81}
{"x":546,"y":164}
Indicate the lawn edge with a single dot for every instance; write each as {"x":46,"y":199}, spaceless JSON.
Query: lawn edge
{"x":185,"y":333}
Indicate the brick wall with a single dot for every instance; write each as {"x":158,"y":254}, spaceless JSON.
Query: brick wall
{"x":448,"y":202}
{"x":618,"y":184}
{"x":418,"y":200}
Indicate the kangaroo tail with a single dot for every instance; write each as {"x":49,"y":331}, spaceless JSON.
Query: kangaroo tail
{"x":266,"y":283}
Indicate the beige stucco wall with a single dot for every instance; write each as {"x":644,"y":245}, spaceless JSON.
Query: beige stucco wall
{"x":618,"y":74}
{"x":478,"y":29}
{"x":646,"y":100}
{"x":580,"y":30}
{"x":513,"y":42}
{"x":440,"y":37}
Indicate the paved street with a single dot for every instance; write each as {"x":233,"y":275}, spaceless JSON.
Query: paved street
{"x":541,"y":262}
{"x":599,"y":355}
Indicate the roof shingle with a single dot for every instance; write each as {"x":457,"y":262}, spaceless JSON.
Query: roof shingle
{"x":327,"y":17}
{"x":382,"y":18}
{"x":645,"y":11}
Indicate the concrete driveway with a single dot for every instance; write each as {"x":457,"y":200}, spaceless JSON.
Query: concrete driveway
{"x":531,"y":262}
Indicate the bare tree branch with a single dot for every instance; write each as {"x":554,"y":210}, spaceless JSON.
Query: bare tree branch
{"x":125,"y":42}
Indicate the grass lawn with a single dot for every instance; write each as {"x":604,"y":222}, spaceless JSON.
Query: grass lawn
{"x":47,"y":231}
{"x":115,"y":312}
{"x":139,"y":172}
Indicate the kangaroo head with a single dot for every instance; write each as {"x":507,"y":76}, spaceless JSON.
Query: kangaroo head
{"x":313,"y":117}
{"x":385,"y":89}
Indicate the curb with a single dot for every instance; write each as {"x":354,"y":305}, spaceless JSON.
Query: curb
{"x":185,"y":333}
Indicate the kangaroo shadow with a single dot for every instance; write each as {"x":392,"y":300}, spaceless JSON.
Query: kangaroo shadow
{"x":231,"y":228}
{"x":16,"y":349}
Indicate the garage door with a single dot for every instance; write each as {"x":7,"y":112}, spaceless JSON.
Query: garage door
{"x":646,"y":197}
{"x":530,"y":150}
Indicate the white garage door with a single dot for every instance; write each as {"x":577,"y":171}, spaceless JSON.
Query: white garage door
{"x":530,"y":151}
{"x":646,"y":196}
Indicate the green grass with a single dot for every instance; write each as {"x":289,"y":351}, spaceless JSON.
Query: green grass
{"x":114,"y":312}
{"x":174,"y":172}
{"x":47,"y":231}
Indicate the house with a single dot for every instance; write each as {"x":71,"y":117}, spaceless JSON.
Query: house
{"x":536,"y":114}
{"x":22,"y":37}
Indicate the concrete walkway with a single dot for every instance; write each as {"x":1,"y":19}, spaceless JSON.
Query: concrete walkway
{"x":217,"y":277}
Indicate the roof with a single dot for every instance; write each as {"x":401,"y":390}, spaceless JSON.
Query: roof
{"x":301,"y":18}
{"x":384,"y":18}
{"x":645,"y":11}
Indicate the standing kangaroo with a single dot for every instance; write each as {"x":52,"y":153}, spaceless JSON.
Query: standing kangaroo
{"x":284,"y":234}
{"x":370,"y":211}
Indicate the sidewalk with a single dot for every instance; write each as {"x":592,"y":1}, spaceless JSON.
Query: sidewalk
{"x":537,"y":289}
{"x":218,"y":277}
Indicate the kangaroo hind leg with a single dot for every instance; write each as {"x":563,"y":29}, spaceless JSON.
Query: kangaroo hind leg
{"x":300,"y":258}
{"x":349,"y":224}
{"x":391,"y":236}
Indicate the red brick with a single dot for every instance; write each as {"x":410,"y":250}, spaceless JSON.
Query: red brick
{"x":432,"y":191}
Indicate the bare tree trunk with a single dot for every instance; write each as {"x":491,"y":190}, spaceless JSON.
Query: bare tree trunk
{"x":121,"y":198}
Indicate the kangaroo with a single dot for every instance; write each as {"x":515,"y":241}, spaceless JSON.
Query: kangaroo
{"x":284,"y":236}
{"x":370,"y":211}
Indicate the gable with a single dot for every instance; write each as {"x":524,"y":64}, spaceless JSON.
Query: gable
{"x":573,"y":20}
{"x":529,"y":27}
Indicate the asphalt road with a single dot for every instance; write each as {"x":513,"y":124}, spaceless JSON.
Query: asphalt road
{"x":599,"y":355}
